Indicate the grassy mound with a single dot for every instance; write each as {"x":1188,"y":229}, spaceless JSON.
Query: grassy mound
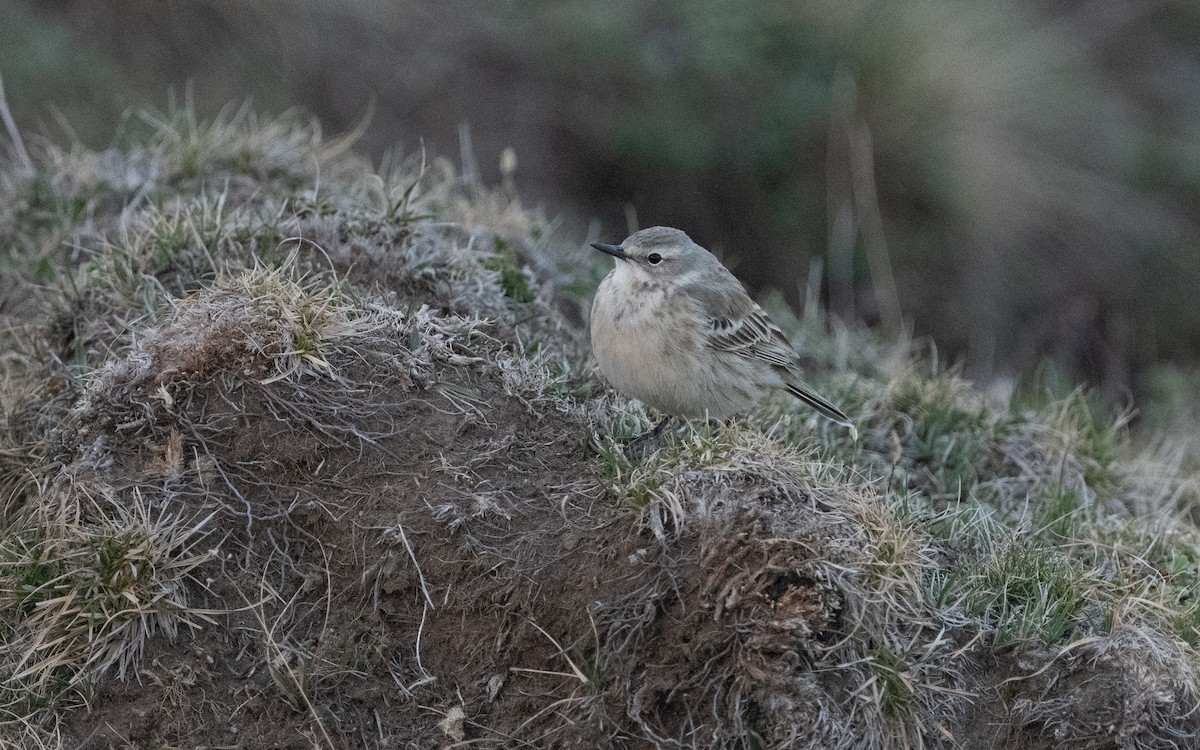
{"x":299,"y":452}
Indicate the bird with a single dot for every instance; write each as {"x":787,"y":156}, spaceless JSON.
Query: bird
{"x":674,"y":329}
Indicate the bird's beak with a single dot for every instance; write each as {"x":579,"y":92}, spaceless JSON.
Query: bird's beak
{"x":613,"y":250}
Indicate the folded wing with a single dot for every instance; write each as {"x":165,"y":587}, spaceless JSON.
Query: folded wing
{"x":754,"y":336}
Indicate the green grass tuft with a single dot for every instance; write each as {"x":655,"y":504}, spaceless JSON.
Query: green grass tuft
{"x":512,"y":278}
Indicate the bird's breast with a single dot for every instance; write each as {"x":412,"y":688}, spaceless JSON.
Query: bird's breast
{"x":648,"y":345}
{"x":631,"y":335}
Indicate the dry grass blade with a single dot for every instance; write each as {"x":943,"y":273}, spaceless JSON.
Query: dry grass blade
{"x":14,"y":133}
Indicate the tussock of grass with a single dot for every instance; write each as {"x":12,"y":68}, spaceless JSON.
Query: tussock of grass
{"x":85,"y":582}
{"x":324,"y":437}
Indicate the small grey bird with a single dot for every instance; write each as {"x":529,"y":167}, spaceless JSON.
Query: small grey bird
{"x":673,"y":328}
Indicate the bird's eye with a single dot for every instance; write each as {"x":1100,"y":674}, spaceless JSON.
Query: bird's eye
{"x":654,"y":259}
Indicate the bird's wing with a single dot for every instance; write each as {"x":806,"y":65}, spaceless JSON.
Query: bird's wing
{"x":737,"y":325}
{"x":753,"y":335}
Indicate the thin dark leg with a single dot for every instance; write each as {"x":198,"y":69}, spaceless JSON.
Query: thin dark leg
{"x":662,"y":423}
{"x":653,"y":434}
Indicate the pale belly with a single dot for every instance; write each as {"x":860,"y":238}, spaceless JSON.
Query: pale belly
{"x":665,"y":366}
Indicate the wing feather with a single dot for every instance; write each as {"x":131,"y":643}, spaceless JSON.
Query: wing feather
{"x":737,"y":325}
{"x":752,"y":335}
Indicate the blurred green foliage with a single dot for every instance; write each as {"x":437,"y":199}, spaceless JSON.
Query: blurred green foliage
{"x":46,"y":71}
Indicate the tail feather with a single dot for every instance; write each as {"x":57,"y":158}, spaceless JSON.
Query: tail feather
{"x":823,"y":407}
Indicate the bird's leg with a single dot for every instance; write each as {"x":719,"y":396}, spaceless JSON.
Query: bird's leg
{"x":652,"y":435}
{"x":716,"y":425}
{"x":662,"y":423}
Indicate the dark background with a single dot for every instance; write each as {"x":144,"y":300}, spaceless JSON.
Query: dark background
{"x":1019,"y":179}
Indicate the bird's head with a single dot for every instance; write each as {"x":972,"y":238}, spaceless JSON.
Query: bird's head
{"x":659,"y":254}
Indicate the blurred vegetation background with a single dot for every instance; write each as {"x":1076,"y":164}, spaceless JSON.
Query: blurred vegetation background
{"x":1018,"y":178}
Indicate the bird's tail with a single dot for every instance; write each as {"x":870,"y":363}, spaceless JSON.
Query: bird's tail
{"x":823,"y":407}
